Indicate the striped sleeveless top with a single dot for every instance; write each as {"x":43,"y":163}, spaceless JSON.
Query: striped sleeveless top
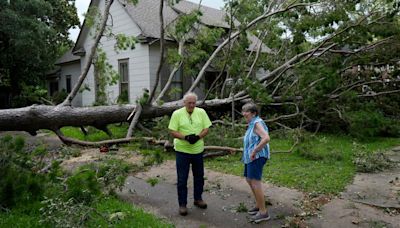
{"x":251,"y":140}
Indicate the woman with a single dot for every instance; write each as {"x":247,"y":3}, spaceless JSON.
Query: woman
{"x":255,"y":155}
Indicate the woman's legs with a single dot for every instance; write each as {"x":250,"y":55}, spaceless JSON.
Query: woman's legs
{"x":258,"y":192}
{"x":251,"y":186}
{"x":253,"y":174}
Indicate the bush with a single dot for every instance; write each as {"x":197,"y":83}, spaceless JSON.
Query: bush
{"x":18,"y":184}
{"x":59,"y":96}
{"x":123,"y":98}
{"x":365,"y":124}
{"x":83,"y":186}
{"x":308,"y":148}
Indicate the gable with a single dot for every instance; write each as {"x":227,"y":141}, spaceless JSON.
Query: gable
{"x":120,"y":21}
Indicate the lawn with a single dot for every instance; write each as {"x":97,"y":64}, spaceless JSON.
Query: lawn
{"x":321,"y":164}
{"x":324,"y":165}
{"x":107,"y":212}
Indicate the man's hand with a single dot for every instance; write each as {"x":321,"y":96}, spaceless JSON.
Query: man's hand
{"x":192,"y":139}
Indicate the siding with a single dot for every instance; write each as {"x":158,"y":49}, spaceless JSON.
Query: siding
{"x":74,"y":70}
{"x":139,"y":70}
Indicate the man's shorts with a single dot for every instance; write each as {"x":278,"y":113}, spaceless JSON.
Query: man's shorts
{"x":253,"y":170}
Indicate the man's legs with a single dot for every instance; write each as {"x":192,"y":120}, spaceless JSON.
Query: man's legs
{"x":198,"y":176}
{"x":182,"y":170}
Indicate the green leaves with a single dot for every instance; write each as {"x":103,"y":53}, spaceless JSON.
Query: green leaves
{"x":124,"y":42}
{"x":105,"y":76}
{"x":31,"y":33}
{"x":184,"y":24}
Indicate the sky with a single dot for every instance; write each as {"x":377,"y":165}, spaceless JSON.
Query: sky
{"x":82,"y":6}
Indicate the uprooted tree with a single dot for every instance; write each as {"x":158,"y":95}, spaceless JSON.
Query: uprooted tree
{"x":330,"y":64}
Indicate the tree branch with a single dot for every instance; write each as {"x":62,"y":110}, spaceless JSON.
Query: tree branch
{"x":173,"y":72}
{"x":235,"y":34}
{"x":162,"y":59}
{"x":86,"y":67}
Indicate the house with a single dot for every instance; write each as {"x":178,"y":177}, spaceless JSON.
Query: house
{"x":64,"y":76}
{"x":137,"y":68}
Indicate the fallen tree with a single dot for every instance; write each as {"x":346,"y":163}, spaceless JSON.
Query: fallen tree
{"x":284,"y":85}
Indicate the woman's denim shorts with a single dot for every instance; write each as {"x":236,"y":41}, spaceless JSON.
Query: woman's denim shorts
{"x":253,"y":170}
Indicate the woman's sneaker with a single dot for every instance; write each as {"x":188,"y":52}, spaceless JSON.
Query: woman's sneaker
{"x":253,"y":211}
{"x":260,"y":217}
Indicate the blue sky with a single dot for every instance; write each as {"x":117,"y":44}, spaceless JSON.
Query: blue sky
{"x":82,"y":6}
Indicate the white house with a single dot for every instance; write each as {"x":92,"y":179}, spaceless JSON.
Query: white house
{"x":137,"y":67}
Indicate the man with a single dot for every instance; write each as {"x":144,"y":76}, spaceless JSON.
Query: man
{"x":189,"y":125}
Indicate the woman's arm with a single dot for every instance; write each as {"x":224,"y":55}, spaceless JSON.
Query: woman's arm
{"x":260,"y":131}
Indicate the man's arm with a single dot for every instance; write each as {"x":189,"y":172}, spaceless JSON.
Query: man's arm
{"x":203,"y":133}
{"x":177,"y":134}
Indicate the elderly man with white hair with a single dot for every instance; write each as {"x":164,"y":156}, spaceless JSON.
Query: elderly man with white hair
{"x":189,"y":125}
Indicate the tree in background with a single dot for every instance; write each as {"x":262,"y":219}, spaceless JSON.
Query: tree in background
{"x":32,"y":35}
{"x":321,"y":61}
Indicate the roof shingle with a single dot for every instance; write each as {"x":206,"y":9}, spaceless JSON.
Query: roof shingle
{"x":146,"y":12}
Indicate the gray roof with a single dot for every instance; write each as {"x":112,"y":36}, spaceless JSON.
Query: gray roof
{"x":145,"y":15}
{"x":146,"y":12}
{"x":67,"y":58}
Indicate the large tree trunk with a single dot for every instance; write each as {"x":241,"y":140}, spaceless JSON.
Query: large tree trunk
{"x":37,"y":117}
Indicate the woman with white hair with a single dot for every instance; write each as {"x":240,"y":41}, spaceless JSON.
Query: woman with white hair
{"x":255,"y":155}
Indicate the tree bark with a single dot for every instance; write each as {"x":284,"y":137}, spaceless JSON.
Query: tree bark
{"x":35,"y":117}
{"x":162,"y":58}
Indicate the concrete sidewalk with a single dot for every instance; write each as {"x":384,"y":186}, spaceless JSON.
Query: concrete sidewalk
{"x":223,"y":193}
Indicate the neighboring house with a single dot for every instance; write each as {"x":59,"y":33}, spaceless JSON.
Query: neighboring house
{"x":137,"y":67}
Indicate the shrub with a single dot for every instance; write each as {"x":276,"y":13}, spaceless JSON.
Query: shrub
{"x":18,"y":183}
{"x":308,"y":148}
{"x":364,"y":124}
{"x":59,"y":96}
{"x":83,"y":186}
{"x":123,"y":98}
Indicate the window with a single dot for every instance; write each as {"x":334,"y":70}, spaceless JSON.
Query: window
{"x":123,"y":80}
{"x":68,"y":83}
{"x":53,"y":87}
{"x":176,"y":86}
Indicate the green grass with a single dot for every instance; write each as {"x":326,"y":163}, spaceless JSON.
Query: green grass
{"x":130,"y":216}
{"x":118,"y":131}
{"x":326,"y":166}
{"x":22,"y":216}
{"x":109,"y":212}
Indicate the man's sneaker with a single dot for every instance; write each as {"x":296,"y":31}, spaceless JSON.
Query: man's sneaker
{"x":183,"y":210}
{"x":200,"y":204}
{"x":260,"y":217}
{"x":253,"y":211}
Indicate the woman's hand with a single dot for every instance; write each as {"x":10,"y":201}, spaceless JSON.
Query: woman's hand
{"x":253,"y":155}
